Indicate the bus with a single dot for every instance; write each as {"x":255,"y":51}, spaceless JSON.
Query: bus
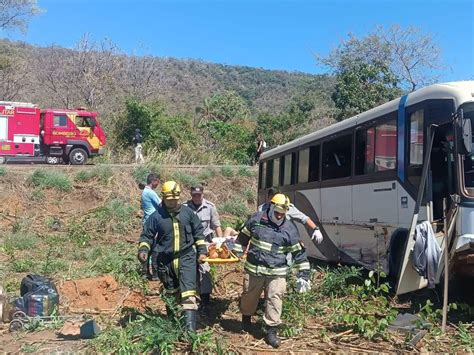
{"x":369,"y":180}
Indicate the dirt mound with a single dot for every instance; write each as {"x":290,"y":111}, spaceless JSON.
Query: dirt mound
{"x":98,"y":294}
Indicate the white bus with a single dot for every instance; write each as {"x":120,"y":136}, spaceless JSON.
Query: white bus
{"x":360,"y":180}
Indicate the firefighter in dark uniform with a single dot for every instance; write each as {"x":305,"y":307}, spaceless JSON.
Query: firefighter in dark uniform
{"x":179,"y":244}
{"x":270,"y":236}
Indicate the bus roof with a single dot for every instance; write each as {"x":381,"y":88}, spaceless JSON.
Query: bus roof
{"x":460,"y":91}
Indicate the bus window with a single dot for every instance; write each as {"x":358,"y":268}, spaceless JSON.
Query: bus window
{"x":303,"y":164}
{"x":386,"y":146}
{"x":314,"y":163}
{"x":262,"y":175}
{"x":269,"y":174}
{"x":365,"y":151}
{"x":416,"y":148}
{"x":276,"y":172}
{"x":337,"y":157}
{"x":287,"y":169}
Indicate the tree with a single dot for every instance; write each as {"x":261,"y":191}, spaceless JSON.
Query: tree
{"x":224,"y":106}
{"x":14,"y":14}
{"x":14,"y":73}
{"x":415,"y":58}
{"x":378,"y":67}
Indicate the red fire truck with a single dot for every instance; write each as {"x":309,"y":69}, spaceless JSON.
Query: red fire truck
{"x":54,"y":135}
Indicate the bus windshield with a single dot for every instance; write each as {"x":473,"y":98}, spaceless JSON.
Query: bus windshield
{"x":469,"y":159}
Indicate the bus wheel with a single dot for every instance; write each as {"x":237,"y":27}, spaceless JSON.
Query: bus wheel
{"x":78,"y":156}
{"x":396,"y":249}
{"x":52,"y":160}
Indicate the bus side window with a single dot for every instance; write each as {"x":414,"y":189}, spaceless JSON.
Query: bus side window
{"x":365,"y":151}
{"x":415,"y":165}
{"x":303,"y":165}
{"x":337,"y":157}
{"x":314,"y":163}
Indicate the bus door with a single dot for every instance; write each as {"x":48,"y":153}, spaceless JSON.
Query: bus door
{"x":437,"y":187}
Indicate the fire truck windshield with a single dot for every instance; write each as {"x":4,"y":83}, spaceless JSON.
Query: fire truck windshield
{"x":85,"y":121}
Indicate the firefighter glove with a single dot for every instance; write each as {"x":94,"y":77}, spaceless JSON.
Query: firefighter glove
{"x":143,"y":254}
{"x":317,"y":236}
{"x":303,"y":285}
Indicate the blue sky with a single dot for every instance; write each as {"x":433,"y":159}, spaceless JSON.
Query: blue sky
{"x":260,"y":33}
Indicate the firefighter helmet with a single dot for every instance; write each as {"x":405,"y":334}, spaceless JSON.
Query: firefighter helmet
{"x":281,"y":202}
{"x":170,"y":190}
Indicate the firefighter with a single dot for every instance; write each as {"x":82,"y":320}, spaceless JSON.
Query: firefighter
{"x":295,"y":215}
{"x":270,"y":236}
{"x":179,"y":243}
{"x":207,"y":213}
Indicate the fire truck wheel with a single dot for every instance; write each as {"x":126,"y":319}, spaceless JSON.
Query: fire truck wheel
{"x":78,"y":156}
{"x":52,"y":160}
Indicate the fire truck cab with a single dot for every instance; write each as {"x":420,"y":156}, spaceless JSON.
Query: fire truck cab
{"x":55,"y":135}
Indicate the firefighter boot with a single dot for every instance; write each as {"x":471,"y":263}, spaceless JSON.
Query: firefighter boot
{"x":205,"y":303}
{"x":246,"y":323}
{"x":190,"y":320}
{"x":272,"y":337}
{"x":144,"y":270}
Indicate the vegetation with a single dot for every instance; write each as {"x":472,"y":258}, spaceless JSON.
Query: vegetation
{"x":51,"y":179}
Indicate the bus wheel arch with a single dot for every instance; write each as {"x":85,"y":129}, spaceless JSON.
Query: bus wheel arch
{"x":396,"y":251}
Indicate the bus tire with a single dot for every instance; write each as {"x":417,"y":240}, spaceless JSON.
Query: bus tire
{"x":395,"y":253}
{"x":78,"y":156}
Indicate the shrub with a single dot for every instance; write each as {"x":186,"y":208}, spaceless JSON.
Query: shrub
{"x":227,"y":171}
{"x":235,"y":207}
{"x":368,"y":310}
{"x":51,"y":179}
{"x":336,"y":281}
{"x":102,"y":173}
{"x":244,"y":171}
{"x":22,"y":241}
{"x":3,"y":171}
{"x":186,"y":180}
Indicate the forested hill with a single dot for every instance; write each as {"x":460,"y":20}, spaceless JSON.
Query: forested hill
{"x":99,"y":75}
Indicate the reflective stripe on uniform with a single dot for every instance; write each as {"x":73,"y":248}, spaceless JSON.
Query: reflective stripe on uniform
{"x":176,"y":244}
{"x":238,"y":248}
{"x":258,"y":269}
{"x":143,"y":244}
{"x":266,"y":246}
{"x":200,"y":242}
{"x":303,"y":266}
{"x":188,"y":293}
{"x":294,"y":248}
{"x":171,"y":291}
{"x":245,"y":231}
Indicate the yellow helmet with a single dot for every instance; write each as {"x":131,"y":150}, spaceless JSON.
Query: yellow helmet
{"x":281,"y":202}
{"x":170,"y":190}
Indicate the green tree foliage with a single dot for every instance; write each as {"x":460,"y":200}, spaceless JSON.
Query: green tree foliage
{"x":160,"y":130}
{"x":376,"y":68}
{"x":363,"y":75}
{"x":362,"y":87}
{"x":226,"y":106}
